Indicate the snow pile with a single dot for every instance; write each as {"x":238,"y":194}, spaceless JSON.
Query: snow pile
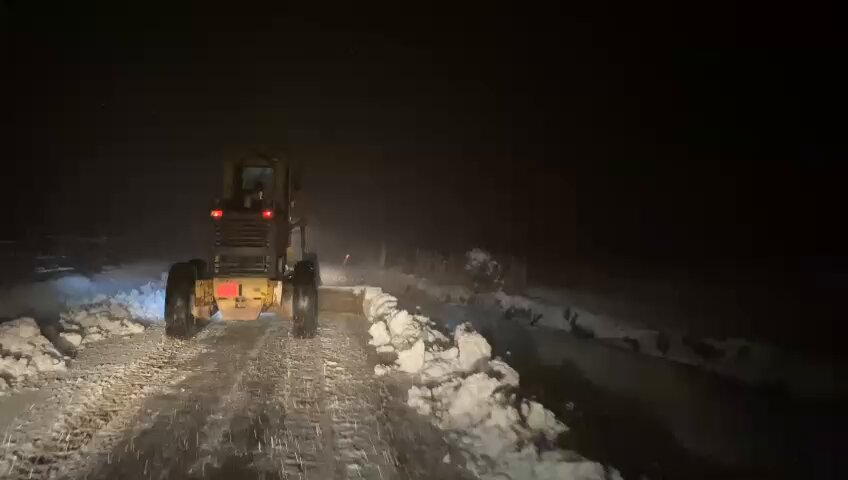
{"x":125,"y":313}
{"x":400,"y":332}
{"x":474,"y":397}
{"x":103,"y":319}
{"x":25,"y":353}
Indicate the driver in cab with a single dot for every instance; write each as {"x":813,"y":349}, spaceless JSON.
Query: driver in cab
{"x":254,"y":197}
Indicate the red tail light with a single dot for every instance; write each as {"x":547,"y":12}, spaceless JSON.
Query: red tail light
{"x":267,"y":214}
{"x":216,"y":213}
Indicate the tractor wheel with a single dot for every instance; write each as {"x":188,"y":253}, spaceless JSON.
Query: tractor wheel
{"x":304,"y":300}
{"x":179,"y":299}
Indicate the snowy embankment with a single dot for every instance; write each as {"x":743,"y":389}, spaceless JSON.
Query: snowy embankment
{"x":736,"y":358}
{"x":26,"y":355}
{"x":743,"y":360}
{"x":472,"y":396}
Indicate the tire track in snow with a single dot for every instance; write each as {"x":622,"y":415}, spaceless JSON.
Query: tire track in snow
{"x":307,"y":444}
{"x":88,"y":413}
{"x":355,"y":407}
{"x":238,"y":401}
{"x":218,"y":431}
{"x":272,"y":424}
{"x":305,"y":408}
{"x":296,"y":408}
{"x":178,"y":429}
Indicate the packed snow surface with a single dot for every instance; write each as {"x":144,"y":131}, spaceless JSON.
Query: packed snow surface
{"x":473,"y":397}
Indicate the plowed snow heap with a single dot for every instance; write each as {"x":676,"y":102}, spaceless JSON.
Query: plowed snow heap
{"x":473,"y":397}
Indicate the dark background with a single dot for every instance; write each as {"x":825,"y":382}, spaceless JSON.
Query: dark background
{"x":706,"y":139}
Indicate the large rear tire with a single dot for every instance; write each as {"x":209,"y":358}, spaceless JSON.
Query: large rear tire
{"x":304,"y":300}
{"x":179,"y":299}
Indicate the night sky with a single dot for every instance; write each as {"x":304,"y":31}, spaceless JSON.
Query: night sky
{"x":666,"y":134}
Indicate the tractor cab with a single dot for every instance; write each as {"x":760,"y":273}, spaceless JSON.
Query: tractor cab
{"x":255,"y":187}
{"x":253,"y":222}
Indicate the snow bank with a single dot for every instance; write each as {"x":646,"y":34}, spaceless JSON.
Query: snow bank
{"x":736,"y":358}
{"x":465,"y":392}
{"x":26,"y":355}
{"x":555,"y":316}
{"x":739,"y":359}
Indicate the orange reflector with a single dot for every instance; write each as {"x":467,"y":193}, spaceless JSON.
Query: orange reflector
{"x":228,"y":289}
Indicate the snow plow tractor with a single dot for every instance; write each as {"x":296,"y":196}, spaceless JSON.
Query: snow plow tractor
{"x":251,"y":267}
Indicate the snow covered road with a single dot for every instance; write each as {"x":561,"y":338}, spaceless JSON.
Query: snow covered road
{"x":241,"y":400}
